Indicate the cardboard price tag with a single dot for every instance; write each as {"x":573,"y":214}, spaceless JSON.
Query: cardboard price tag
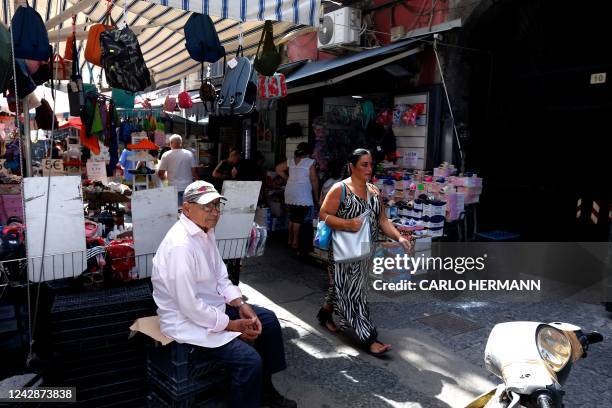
{"x":55,"y":167}
{"x":138,"y":136}
{"x":96,"y":171}
{"x":411,"y":159}
{"x":232,"y":63}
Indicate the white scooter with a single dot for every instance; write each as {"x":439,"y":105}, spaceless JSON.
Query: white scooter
{"x":534,"y":360}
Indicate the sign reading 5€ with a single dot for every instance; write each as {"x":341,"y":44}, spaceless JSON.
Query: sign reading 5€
{"x":53,"y":166}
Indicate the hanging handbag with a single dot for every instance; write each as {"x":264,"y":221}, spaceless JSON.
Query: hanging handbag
{"x":208,"y":93}
{"x":76,"y":96}
{"x":123,"y":99}
{"x":353,"y":246}
{"x":184,"y":100}
{"x":45,"y":119}
{"x":272,"y":87}
{"x":62,"y":68}
{"x":239,"y":89}
{"x":269,"y":60}
{"x":170,"y":104}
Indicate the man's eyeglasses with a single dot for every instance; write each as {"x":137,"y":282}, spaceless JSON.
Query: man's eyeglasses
{"x":210,"y":206}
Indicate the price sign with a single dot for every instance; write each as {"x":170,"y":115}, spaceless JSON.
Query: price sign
{"x":104,"y":155}
{"x":411,"y":160}
{"x":55,"y":167}
{"x":96,"y":171}
{"x":137,"y":137}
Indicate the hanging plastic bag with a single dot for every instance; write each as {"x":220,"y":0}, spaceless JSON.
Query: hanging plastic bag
{"x":170,"y":104}
{"x":323,"y":235}
{"x":184,"y":100}
{"x":272,"y":87}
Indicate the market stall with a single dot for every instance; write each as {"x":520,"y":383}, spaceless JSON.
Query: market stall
{"x":89,"y":226}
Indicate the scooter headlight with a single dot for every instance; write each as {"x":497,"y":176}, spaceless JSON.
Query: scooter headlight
{"x":554,"y":347}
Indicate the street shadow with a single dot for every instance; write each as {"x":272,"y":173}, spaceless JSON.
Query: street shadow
{"x":354,"y":381}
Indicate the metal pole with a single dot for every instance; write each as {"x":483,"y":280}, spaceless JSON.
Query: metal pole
{"x":27,"y":148}
{"x":246,"y":141}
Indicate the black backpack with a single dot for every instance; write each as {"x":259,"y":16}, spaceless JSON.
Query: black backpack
{"x":122,"y":60}
{"x":268,"y":61}
{"x":202,"y":41}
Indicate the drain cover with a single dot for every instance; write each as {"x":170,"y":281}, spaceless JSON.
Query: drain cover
{"x":449,"y":324}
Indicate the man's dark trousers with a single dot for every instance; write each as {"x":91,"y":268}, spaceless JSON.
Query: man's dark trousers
{"x":247,"y":364}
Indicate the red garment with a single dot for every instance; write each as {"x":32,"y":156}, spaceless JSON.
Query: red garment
{"x":121,"y":254}
{"x":91,"y":142}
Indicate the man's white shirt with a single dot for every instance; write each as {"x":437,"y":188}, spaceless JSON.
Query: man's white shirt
{"x":178,"y":164}
{"x":191,"y":287}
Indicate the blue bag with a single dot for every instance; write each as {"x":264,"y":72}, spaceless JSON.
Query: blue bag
{"x":202,"y":41}
{"x":324,"y":232}
{"x":30,"y":37}
{"x":123,"y":99}
{"x":323,"y":235}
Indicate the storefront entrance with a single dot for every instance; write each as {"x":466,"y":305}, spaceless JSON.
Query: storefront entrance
{"x":537,"y":121}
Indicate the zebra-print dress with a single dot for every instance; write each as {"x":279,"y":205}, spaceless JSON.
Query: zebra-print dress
{"x":348,"y":293}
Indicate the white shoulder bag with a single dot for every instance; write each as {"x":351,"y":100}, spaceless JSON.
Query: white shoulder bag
{"x":353,"y":246}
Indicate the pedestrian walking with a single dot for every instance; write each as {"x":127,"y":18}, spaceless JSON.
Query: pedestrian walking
{"x":341,"y":210}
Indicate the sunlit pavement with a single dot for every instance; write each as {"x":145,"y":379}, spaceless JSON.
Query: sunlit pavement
{"x":427,"y":367}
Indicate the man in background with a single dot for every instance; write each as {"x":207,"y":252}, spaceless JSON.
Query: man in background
{"x":179,"y":166}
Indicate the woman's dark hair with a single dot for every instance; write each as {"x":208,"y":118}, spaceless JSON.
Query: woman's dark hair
{"x":356,"y":155}
{"x":303,"y":149}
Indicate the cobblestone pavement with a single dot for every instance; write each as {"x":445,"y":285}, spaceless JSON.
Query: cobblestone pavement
{"x":428,"y":366}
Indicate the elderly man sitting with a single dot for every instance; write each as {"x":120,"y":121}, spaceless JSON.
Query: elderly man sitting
{"x":198,"y":305}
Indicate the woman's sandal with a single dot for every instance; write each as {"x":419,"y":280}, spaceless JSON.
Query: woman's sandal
{"x":325,"y":319}
{"x":380,"y":353}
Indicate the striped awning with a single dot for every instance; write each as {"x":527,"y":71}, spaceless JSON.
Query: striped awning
{"x":159,"y":26}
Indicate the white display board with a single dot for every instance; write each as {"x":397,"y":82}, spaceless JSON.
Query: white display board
{"x":239,"y":211}
{"x":154,"y":212}
{"x":65,"y":251}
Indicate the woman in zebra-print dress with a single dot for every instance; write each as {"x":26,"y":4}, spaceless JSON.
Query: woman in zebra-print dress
{"x":343,"y":204}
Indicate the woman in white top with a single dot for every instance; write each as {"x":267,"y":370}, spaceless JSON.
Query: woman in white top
{"x":302,"y":189}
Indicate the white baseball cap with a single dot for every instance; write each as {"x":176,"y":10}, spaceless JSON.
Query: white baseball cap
{"x":201,"y":192}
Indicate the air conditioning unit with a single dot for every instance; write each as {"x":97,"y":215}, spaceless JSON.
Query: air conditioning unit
{"x":340,"y":27}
